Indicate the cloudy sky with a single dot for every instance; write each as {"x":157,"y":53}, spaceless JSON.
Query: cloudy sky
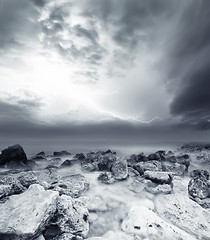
{"x":105,"y":69}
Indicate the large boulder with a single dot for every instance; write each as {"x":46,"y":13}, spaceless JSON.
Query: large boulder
{"x":24,"y":216}
{"x":71,"y":217}
{"x":74,"y":185}
{"x":185,"y":214}
{"x":120,"y":170}
{"x":14,"y":154}
{"x":152,"y":165}
{"x":146,"y":224}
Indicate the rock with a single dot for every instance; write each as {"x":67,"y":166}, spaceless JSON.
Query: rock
{"x":154,"y":156}
{"x":66,"y":163}
{"x":176,"y":168}
{"x":199,"y":188}
{"x":158,"y":177}
{"x":71,"y":216}
{"x":145,"y":223}
{"x":41,"y":237}
{"x":106,"y":178}
{"x":185,"y":214}
{"x":138,"y":184}
{"x":171,"y":159}
{"x":158,"y":188}
{"x":205,"y":203}
{"x":199,"y":174}
{"x":25,"y":215}
{"x":152,"y":165}
{"x":74,"y":185}
{"x":132,"y":172}
{"x":13,"y":154}
{"x":135,"y":158}
{"x":61,"y":154}
{"x":79,"y":156}
{"x":94,"y":203}
{"x":88,"y":165}
{"x":27,"y":178}
{"x":42,"y":153}
{"x":120,"y":170}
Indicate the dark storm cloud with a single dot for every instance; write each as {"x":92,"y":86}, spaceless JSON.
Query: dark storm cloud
{"x":190,"y":61}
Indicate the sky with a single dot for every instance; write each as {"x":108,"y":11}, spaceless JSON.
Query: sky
{"x":110,"y":70}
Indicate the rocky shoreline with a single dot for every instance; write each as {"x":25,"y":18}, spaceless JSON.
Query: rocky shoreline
{"x":101,"y":195}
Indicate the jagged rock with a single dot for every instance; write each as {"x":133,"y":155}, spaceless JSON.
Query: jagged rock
{"x":14,"y":154}
{"x":74,"y":185}
{"x":172,"y":159}
{"x":175,"y":168}
{"x":158,"y":177}
{"x":71,"y":216}
{"x":205,"y":203}
{"x":66,"y":163}
{"x":145,"y":223}
{"x":27,"y":178}
{"x":25,"y":215}
{"x":185,"y":214}
{"x":42,"y":153}
{"x":120,"y":170}
{"x":5,"y":190}
{"x":106,"y":178}
{"x":132,"y":172}
{"x":47,"y":177}
{"x":88,"y":165}
{"x":158,"y":188}
{"x":61,"y":154}
{"x":135,"y":158}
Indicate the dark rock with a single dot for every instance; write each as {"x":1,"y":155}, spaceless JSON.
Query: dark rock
{"x":79,"y":156}
{"x":120,"y":170}
{"x":88,"y":165}
{"x":154,"y":156}
{"x":158,"y":177}
{"x":74,"y":185}
{"x":38,"y":158}
{"x":106,"y":178}
{"x":61,"y":154}
{"x":135,"y":158}
{"x":66,"y":163}
{"x":13,"y":154}
{"x":203,"y":174}
{"x":172,"y":159}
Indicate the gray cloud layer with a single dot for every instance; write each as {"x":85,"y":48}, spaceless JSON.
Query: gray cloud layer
{"x":175,"y":33}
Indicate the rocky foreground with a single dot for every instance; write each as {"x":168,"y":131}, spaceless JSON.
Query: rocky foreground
{"x":102,"y":196}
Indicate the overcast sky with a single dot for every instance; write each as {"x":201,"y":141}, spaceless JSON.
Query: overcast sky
{"x":105,"y":68}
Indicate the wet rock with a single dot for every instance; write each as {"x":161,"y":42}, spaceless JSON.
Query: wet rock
{"x":74,"y":185}
{"x":158,"y":188}
{"x":154,"y":156}
{"x":61,"y":154}
{"x":120,"y":170}
{"x":158,"y":177}
{"x":106,"y":178}
{"x":185,"y":214}
{"x":71,"y":216}
{"x":66,"y":163}
{"x":25,"y":215}
{"x":135,"y":158}
{"x":175,"y":168}
{"x":145,"y":223}
{"x":88,"y":165}
{"x":14,"y":154}
{"x":132,"y":172}
{"x":27,"y":178}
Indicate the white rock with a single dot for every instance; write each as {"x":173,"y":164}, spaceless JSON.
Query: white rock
{"x":147,"y":224}
{"x":185,"y":213}
{"x":26,"y":214}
